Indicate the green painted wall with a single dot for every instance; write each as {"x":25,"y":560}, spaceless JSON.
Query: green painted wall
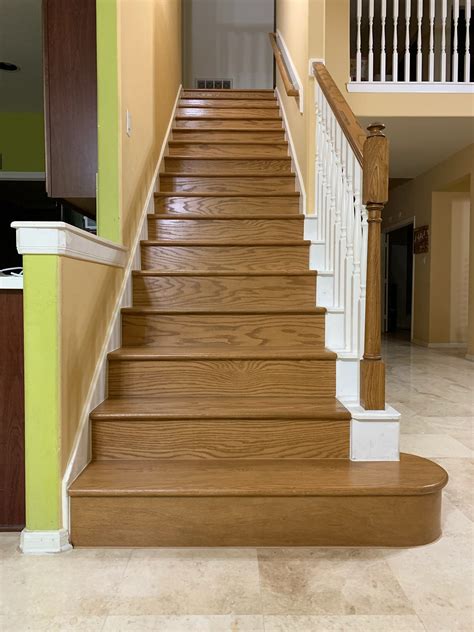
{"x":108,"y":110}
{"x":22,"y":141}
{"x":42,"y":392}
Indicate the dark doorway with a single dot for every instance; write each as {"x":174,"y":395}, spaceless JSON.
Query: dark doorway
{"x":399,"y":280}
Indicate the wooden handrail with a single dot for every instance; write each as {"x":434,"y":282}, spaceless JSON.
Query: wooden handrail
{"x":290,"y":89}
{"x":351,"y":127}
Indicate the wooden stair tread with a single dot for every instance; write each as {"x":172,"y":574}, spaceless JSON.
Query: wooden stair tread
{"x":232,"y":174}
{"x":225,"y":407}
{"x":192,"y":194}
{"x":230,"y":312}
{"x":412,"y":475}
{"x":221,"y":244}
{"x":210,"y":218}
{"x":178,"y":143}
{"x":217,"y":273}
{"x":228,"y":129}
{"x":207,"y":352}
{"x":239,"y":157}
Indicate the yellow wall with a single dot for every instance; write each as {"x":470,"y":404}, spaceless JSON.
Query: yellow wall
{"x":88,"y":293}
{"x":150,"y":74}
{"x":427,"y":199}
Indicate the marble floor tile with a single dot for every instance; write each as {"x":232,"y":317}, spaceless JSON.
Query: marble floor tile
{"x":439,"y":582}
{"x":190,"y":623}
{"x":434,"y":445}
{"x":51,"y":624}
{"x":352,"y":623}
{"x":460,"y":487}
{"x":329,"y":581}
{"x":190,"y":581}
{"x":81,"y":582}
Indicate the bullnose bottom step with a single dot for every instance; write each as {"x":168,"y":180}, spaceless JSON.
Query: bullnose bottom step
{"x":327,"y":502}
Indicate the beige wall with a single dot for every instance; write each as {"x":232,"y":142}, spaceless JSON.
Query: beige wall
{"x":87,"y":298}
{"x":150,"y":74}
{"x":429,"y":198}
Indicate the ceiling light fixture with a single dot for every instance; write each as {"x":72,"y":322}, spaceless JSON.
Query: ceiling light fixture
{"x":8,"y":66}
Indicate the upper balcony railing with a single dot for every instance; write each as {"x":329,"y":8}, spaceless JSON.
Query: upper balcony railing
{"x":411,"y":46}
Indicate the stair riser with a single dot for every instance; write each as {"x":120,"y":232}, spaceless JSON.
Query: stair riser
{"x":229,"y":230}
{"x":228,"y":103}
{"x":245,"y":184}
{"x":229,"y":150}
{"x":259,"y":330}
{"x":223,"y":124}
{"x":226,"y":258}
{"x":256,"y":521}
{"x":226,"y":165}
{"x":276,"y":136}
{"x":150,"y":378}
{"x":220,"y":439}
{"x":228,"y":94}
{"x":223,"y":206}
{"x":236,"y":292}
{"x":230,"y":113}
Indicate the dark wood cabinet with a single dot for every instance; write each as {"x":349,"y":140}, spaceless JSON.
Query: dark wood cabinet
{"x":70,"y":94}
{"x":12,"y":412}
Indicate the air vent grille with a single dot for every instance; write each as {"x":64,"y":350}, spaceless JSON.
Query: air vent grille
{"x":213,"y":84}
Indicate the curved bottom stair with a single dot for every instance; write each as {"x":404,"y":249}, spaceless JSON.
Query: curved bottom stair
{"x":322,"y":502}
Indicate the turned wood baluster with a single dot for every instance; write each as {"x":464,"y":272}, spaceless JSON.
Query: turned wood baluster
{"x":375,"y":196}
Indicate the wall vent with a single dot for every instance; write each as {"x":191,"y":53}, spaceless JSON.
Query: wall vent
{"x":213,"y":84}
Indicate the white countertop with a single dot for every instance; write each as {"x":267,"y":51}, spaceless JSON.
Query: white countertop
{"x":11,"y":282}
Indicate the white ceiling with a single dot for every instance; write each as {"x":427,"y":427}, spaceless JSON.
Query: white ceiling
{"x":417,"y":144}
{"x":21,"y":44}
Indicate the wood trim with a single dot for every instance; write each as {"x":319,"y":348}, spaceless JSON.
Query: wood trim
{"x":290,"y":89}
{"x":346,"y":118}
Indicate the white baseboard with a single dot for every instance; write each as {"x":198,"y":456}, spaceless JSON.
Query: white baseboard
{"x":375,"y":434}
{"x":80,"y":454}
{"x":447,"y":345}
{"x":294,"y":157}
{"x":44,"y":542}
{"x":469,"y":357}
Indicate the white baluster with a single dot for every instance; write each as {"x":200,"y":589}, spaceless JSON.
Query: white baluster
{"x":371,"y":40}
{"x":444,"y":16}
{"x":318,"y":173}
{"x":395,"y":41}
{"x":467,"y":55}
{"x":383,"y":53}
{"x":407,"y":39}
{"x":359,"y":42}
{"x":454,"y":73}
{"x":419,"y":52}
{"x":431,"y":60}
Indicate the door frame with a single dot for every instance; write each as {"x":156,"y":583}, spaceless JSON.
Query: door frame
{"x":385,"y":268}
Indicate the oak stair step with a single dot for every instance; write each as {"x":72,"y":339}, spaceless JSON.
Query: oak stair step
{"x":239,"y":228}
{"x":236,"y":290}
{"x":226,"y":165}
{"x":147,"y":372}
{"x":196,"y":102}
{"x":291,"y":256}
{"x":150,"y":327}
{"x":228,"y":149}
{"x":232,"y":113}
{"x":265,"y":502}
{"x":230,"y":428}
{"x":229,"y":135}
{"x":255,"y":124}
{"x":212,"y":204}
{"x":227,"y":94}
{"x":229,"y":183}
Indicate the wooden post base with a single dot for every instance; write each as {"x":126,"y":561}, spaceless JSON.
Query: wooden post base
{"x":372,"y":384}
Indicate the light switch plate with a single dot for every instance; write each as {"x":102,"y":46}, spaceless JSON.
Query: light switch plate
{"x":129,"y":123}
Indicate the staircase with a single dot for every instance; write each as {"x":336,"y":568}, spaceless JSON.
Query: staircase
{"x":221,"y":426}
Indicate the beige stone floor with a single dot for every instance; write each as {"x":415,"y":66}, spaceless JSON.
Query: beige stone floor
{"x":275,"y":590}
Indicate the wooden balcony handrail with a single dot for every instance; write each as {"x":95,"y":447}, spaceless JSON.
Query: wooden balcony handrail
{"x":290,"y":89}
{"x":371,"y":151}
{"x":351,"y":127}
